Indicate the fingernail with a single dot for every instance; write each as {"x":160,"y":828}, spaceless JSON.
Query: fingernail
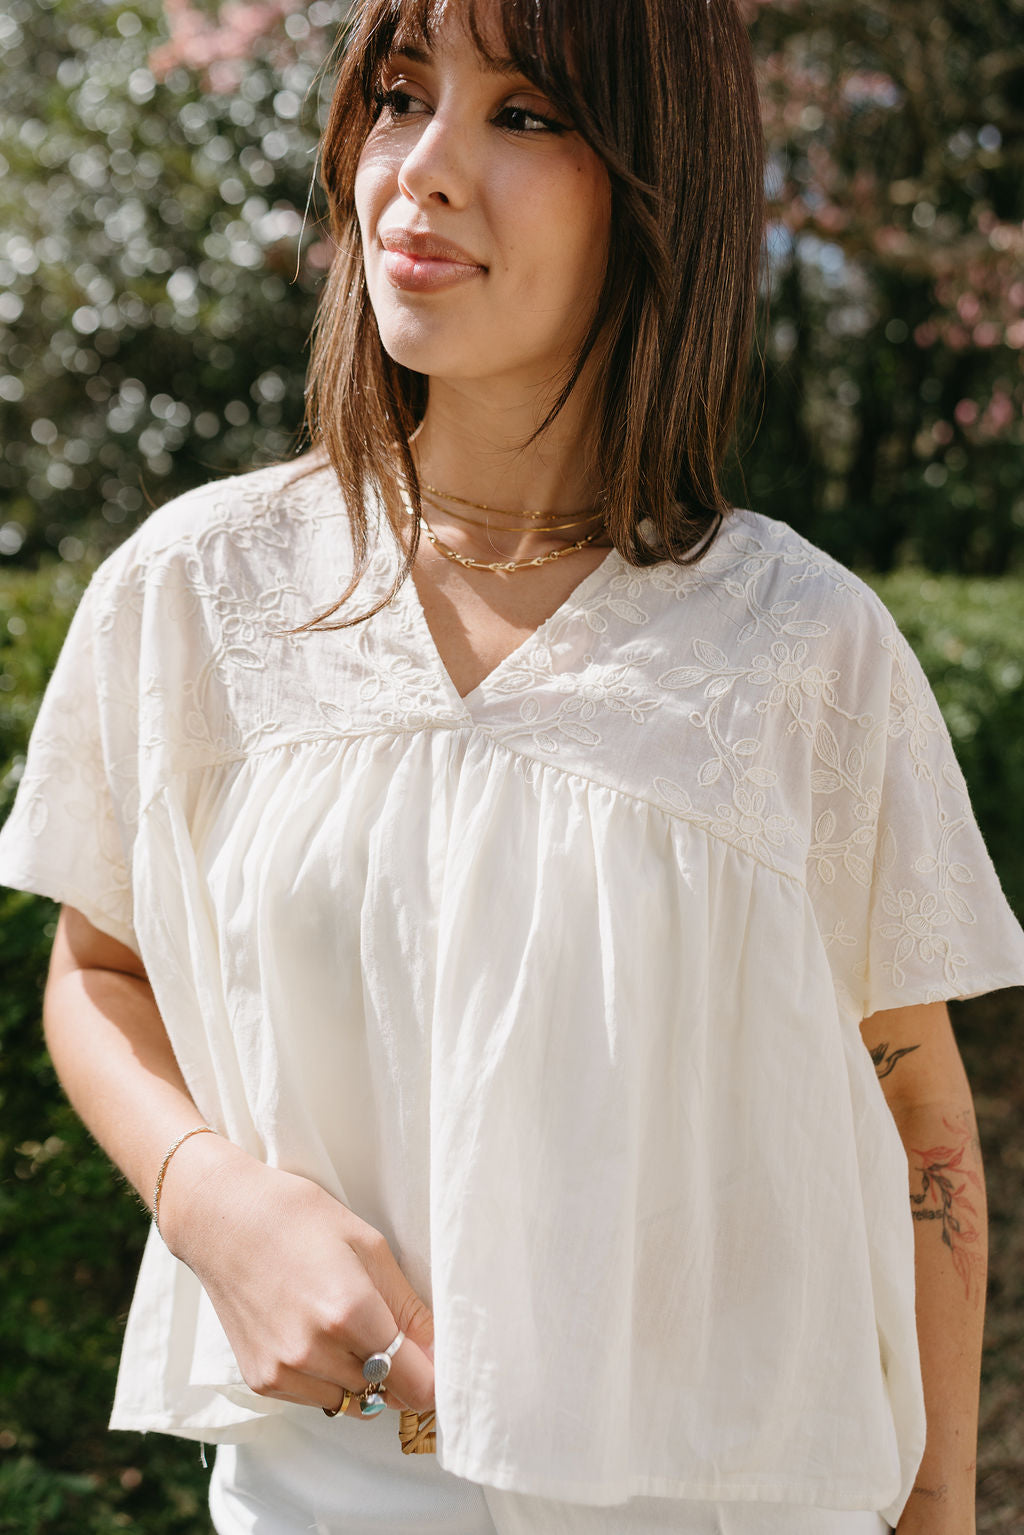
{"x":429,"y":1351}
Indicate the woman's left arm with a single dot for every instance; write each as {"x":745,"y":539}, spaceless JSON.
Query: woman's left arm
{"x":926,"y":1088}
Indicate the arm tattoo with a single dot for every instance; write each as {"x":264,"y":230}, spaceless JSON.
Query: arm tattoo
{"x":936,"y":1494}
{"x":884,"y":1063}
{"x":945,"y":1195}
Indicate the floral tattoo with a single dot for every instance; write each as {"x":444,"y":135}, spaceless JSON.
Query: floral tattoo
{"x":947,"y":1191}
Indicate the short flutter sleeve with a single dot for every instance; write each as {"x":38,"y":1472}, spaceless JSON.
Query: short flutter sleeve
{"x":908,"y":901}
{"x":70,"y":833}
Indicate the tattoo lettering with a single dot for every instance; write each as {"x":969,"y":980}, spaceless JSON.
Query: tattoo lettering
{"x":884,"y":1063}
{"x":936,"y":1494}
{"x":945,"y":1196}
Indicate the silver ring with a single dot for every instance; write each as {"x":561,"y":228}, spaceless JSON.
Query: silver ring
{"x":378,"y":1365}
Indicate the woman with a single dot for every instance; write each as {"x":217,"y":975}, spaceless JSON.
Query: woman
{"x":528,"y":940}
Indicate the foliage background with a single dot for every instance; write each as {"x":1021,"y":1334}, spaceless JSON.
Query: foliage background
{"x":158,"y":276}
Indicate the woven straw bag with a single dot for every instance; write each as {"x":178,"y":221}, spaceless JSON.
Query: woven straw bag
{"x":417,"y":1433}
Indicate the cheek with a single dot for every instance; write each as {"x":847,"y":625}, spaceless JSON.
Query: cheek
{"x":374,"y":184}
{"x":569,"y":222}
{"x":594,"y":197}
{"x":592,"y":232}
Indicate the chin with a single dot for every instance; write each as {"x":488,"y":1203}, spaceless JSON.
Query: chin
{"x":435,"y":352}
{"x":447,"y":346}
{"x":413,"y":340}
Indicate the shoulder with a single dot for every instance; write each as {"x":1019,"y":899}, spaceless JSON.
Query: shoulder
{"x":785,"y":586}
{"x":262,"y":515}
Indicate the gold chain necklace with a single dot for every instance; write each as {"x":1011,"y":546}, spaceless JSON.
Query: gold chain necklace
{"x":540,"y":559}
{"x":479,"y":506}
{"x":510,"y":527}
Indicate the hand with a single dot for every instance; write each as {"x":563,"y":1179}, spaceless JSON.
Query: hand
{"x":304,"y":1289}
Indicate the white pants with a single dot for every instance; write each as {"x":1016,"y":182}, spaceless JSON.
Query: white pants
{"x":310,"y":1475}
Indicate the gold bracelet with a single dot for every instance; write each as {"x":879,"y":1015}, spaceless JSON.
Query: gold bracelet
{"x":197,"y":1130}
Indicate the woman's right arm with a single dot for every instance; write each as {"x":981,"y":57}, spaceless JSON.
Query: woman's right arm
{"x":304,"y":1289}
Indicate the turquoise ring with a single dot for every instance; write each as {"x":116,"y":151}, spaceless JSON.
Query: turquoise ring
{"x":371,"y":1402}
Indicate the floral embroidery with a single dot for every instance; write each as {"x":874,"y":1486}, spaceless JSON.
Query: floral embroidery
{"x":596,"y":689}
{"x":746,"y":823}
{"x":761,"y":695}
{"x":839,"y":935}
{"x":618,"y":598}
{"x":791,"y":679}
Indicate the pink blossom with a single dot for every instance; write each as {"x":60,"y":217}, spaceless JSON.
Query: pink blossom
{"x":208,"y":43}
{"x":966,"y":412}
{"x":831,"y":218}
{"x":890,"y":241}
{"x":998,"y":414}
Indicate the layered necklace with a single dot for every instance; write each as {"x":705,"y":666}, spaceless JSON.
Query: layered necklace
{"x":538,"y":522}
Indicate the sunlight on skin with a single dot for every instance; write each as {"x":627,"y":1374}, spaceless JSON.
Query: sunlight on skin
{"x":478,"y":159}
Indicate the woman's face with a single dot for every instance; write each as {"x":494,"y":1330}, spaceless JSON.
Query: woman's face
{"x":484,"y":218}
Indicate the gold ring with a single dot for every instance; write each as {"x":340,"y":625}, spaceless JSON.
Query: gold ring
{"x":332,"y":1412}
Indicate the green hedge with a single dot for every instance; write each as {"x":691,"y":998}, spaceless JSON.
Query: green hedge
{"x":70,"y":1232}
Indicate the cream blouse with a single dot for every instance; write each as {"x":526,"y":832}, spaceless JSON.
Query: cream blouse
{"x":558,"y":985}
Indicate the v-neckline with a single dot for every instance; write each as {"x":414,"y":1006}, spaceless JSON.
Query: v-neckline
{"x":463,"y":701}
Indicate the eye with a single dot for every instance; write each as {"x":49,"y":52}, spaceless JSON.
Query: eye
{"x":522,"y":120}
{"x":397,"y":103}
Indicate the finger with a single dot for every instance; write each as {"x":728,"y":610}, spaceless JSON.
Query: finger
{"x":411,"y":1312}
{"x":308,"y":1391}
{"x":304,"y":1391}
{"x":331,"y":1368}
{"x":411,"y":1377}
{"x":353,"y":1409}
{"x":328,"y":1368}
{"x":410,"y":1380}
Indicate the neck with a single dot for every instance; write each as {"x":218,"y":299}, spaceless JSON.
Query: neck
{"x":477,"y":448}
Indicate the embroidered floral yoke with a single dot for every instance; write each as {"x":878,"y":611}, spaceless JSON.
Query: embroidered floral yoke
{"x":559,"y":985}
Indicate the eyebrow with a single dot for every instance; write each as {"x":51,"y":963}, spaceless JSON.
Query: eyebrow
{"x":495,"y":66}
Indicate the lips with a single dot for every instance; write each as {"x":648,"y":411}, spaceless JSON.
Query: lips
{"x":426,"y":247}
{"x":421,"y":263}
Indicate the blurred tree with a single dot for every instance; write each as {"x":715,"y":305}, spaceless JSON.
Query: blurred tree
{"x":160,"y":275}
{"x":157,"y":280}
{"x":894,"y":402}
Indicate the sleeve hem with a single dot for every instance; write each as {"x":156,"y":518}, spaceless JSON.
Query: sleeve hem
{"x":973,"y":986}
{"x":56,"y":888}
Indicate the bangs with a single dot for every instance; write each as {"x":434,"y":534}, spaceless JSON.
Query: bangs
{"x":526,"y":37}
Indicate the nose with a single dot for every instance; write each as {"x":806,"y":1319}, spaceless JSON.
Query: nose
{"x":436,"y":169}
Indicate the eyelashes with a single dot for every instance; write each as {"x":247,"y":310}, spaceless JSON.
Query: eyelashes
{"x":397,"y":104}
{"x":394,"y":103}
{"x":547,"y":124}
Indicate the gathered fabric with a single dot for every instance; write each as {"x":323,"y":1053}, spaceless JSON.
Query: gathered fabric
{"x":558,"y":985}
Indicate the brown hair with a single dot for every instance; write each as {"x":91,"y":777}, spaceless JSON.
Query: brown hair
{"x":664,"y":91}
